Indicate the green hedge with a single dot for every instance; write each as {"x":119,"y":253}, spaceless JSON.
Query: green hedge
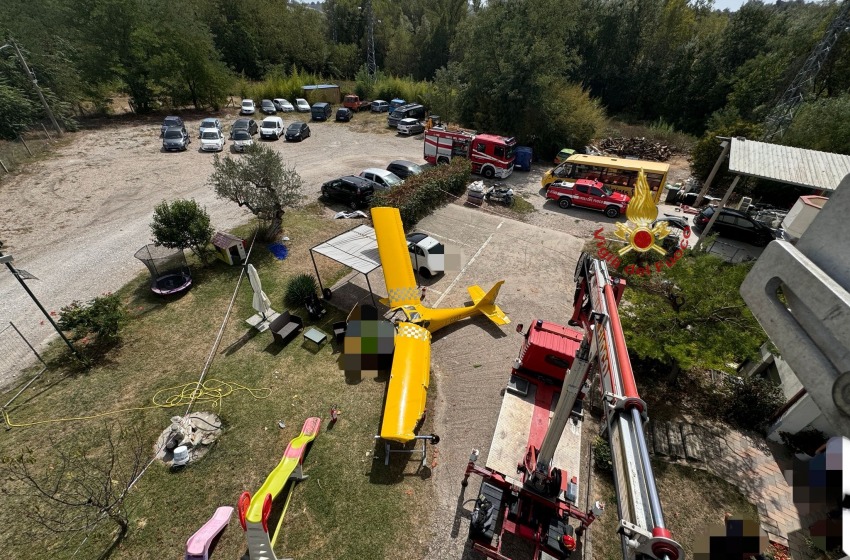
{"x":421,"y":194}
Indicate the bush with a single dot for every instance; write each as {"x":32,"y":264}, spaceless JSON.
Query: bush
{"x":298,"y":289}
{"x":182,"y":224}
{"x":97,"y":321}
{"x":804,"y":441}
{"x":752,"y":401}
{"x":421,"y":194}
{"x":602,"y":455}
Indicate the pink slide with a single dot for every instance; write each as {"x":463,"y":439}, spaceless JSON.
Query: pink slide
{"x":198,"y":545}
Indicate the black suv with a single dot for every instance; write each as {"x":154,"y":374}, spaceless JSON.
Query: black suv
{"x":171,"y":122}
{"x":244,"y":124}
{"x":267,"y":107}
{"x":735,"y":225}
{"x":356,"y":192}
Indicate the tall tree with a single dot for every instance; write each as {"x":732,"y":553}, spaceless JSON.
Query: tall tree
{"x":260,"y":182}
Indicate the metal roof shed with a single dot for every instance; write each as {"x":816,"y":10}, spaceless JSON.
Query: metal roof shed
{"x":785,"y":164}
{"x":356,"y":248}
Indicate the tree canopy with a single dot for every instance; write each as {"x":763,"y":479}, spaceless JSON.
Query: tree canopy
{"x":260,"y":182}
{"x":542,"y":71}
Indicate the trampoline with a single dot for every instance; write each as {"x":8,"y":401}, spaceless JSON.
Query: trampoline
{"x":168,"y":267}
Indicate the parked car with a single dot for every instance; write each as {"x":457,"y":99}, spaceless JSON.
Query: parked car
{"x":354,"y":192}
{"x":175,"y":138}
{"x":170,"y":122}
{"x":210,"y":123}
{"x":244,"y":124}
{"x":427,"y":255}
{"x":735,"y":225}
{"x":248,"y":107}
{"x":380,"y":106}
{"x":212,"y":140}
{"x":241,"y":140}
{"x":410,"y":126}
{"x":297,"y":131}
{"x":409,"y":111}
{"x":385,"y":179}
{"x":283,"y":105}
{"x":321,"y":111}
{"x":397,"y":102}
{"x":302,"y":106}
{"x":343,"y":114}
{"x":588,"y":193}
{"x":353,"y":102}
{"x":267,"y":107}
{"x":271,"y":128}
{"x":404,"y":169}
{"x":563,"y":155}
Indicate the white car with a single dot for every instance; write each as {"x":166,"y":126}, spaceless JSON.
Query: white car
{"x":283,"y":105}
{"x":385,"y":179}
{"x":410,"y":127}
{"x":210,"y":124}
{"x":427,"y":255}
{"x":212,"y":140}
{"x":271,"y":127}
{"x":248,"y":107}
{"x":302,"y":105}
{"x":241,"y":140}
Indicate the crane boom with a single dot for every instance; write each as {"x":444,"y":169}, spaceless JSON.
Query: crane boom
{"x":538,"y":501}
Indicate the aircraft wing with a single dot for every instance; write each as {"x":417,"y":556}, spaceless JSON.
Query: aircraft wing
{"x":408,"y":386}
{"x":395,"y":259}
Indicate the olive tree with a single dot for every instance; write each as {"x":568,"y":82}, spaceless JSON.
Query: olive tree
{"x":182,"y":224}
{"x":260,"y":182}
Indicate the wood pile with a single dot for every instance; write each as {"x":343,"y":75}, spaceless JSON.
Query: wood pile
{"x":637,"y":147}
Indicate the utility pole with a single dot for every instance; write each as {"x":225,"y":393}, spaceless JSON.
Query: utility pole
{"x":371,"y":66}
{"x":32,"y":77}
{"x":7,"y":260}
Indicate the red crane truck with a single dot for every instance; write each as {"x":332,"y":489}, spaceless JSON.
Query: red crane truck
{"x":491,"y":155}
{"x":529,"y":485}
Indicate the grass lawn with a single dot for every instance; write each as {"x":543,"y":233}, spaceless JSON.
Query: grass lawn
{"x":693,"y":500}
{"x":352,"y":506}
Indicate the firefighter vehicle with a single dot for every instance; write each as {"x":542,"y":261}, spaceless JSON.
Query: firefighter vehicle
{"x":491,"y":155}
{"x":588,"y":193}
{"x":529,"y":489}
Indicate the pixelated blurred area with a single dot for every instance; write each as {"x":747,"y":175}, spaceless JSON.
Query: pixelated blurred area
{"x":369,"y":343}
{"x":453,"y":260}
{"x":736,"y":539}
{"x":822,"y":494}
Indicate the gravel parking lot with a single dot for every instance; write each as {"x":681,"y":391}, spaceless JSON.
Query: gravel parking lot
{"x":75,"y":219}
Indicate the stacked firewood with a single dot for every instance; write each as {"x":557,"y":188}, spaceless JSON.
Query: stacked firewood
{"x":636,"y":147}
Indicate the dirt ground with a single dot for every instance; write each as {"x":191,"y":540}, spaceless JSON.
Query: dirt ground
{"x":76,"y":219}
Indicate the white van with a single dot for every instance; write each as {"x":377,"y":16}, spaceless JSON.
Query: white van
{"x":427,"y":255}
{"x":271,"y":127}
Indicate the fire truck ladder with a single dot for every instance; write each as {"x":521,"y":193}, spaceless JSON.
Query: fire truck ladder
{"x":642,"y":528}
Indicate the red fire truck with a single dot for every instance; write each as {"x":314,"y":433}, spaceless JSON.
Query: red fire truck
{"x":491,"y":155}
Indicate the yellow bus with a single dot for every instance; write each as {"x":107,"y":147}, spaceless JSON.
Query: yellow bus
{"x":618,"y":173}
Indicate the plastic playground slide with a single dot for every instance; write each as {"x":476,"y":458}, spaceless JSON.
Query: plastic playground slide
{"x":198,"y":545}
{"x":292,"y":458}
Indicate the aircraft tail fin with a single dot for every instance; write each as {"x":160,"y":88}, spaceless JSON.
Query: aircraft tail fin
{"x":486,"y":303}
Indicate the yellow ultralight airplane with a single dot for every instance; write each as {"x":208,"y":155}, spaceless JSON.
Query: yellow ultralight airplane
{"x":411,"y":369}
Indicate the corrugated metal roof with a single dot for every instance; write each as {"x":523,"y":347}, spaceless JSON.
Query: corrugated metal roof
{"x":794,"y":166}
{"x":356,"y":248}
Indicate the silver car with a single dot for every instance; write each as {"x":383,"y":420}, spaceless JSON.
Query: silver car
{"x":410,"y":126}
{"x":210,"y":124}
{"x":241,"y":140}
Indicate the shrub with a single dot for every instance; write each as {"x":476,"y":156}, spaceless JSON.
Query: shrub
{"x":98,"y":321}
{"x":182,"y":224}
{"x":298,"y":289}
{"x":752,"y":401}
{"x":421,"y":194}
{"x":602,"y":455}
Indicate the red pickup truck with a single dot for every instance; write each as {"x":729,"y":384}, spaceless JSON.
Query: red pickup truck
{"x":588,"y":193}
{"x":353,"y":102}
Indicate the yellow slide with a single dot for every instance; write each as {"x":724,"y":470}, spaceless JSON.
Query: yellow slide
{"x":291,"y":460}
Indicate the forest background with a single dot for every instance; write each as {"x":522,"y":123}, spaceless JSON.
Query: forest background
{"x":548,"y":72}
